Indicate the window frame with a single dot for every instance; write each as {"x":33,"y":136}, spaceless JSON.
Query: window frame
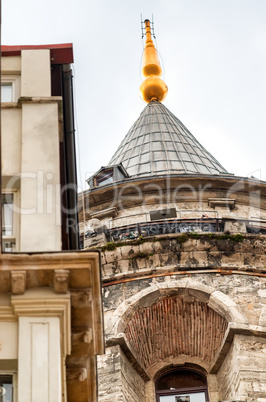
{"x":14,"y":237}
{"x":12,"y":374}
{"x":181,"y":391}
{"x":15,"y":81}
{"x":104,"y":176}
{"x":7,"y":84}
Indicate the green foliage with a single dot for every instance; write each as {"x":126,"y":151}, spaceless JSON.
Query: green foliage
{"x":194,"y":235}
{"x":237,"y":237}
{"x":140,"y":240}
{"x":109,"y":247}
{"x":182,"y":238}
{"x":234,"y":237}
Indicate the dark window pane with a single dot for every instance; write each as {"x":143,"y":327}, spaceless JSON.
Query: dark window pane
{"x":7,"y":214}
{"x":181,"y":379}
{"x":6,"y":388}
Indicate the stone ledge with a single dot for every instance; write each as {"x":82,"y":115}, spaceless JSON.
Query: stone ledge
{"x":30,"y":99}
{"x":222,"y":202}
{"x":112,"y":212}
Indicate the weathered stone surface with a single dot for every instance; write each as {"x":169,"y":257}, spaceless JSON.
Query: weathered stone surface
{"x":200,"y":253}
{"x":118,"y":381}
{"x":98,"y":240}
{"x":246,"y":363}
{"x":222,"y":274}
{"x":237,"y":297}
{"x":18,"y":282}
{"x":112,"y":256}
{"x":61,"y":277}
{"x":235,"y":227}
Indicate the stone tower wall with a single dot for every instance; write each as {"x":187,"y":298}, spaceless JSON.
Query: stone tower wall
{"x":194,"y":299}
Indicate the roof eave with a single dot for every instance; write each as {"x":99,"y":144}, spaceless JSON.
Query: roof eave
{"x":60,"y":53}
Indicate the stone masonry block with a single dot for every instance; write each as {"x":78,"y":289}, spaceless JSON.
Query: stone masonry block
{"x":146,"y":248}
{"x":190,"y":245}
{"x":233,"y":259}
{"x":129,"y":251}
{"x":124,"y":266}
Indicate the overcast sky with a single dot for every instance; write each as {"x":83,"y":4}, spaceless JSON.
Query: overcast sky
{"x":214,"y":56}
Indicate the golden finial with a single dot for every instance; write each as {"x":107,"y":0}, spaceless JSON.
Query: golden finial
{"x":153,"y":87}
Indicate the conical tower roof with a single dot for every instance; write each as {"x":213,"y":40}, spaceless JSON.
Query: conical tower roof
{"x":158,"y":144}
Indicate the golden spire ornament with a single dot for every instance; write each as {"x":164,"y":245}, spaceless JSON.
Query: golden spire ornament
{"x":153,"y":87}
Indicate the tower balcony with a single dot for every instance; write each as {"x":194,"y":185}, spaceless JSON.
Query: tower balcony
{"x":192,"y":225}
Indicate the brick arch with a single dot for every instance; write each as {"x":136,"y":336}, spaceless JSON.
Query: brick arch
{"x":175,"y":326}
{"x":216,"y":300}
{"x":196,"y":317}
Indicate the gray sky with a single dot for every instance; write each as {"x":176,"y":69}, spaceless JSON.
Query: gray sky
{"x":214,"y":56}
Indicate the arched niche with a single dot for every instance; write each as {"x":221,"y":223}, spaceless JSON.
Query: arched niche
{"x":174,"y":327}
{"x":178,"y":321}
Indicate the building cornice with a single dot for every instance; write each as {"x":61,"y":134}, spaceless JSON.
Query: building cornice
{"x":60,"y":53}
{"x":47,"y":261}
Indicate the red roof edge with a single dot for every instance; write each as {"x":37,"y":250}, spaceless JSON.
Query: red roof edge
{"x":60,"y":54}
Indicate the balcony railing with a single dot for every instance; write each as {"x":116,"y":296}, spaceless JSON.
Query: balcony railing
{"x":199,"y":225}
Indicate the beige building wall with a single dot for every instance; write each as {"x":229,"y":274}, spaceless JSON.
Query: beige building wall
{"x":11,"y":141}
{"x":40,"y":180}
{"x":50,"y":303}
{"x":35,"y":73}
{"x":30,"y":151}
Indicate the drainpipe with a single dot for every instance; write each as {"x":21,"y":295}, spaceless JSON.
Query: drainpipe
{"x":70,"y":160}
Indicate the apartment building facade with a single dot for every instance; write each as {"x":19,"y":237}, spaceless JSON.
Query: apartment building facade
{"x":50,"y":300}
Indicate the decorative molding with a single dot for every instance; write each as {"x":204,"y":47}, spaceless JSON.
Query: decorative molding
{"x":83,"y":337}
{"x":52,"y":261}
{"x":78,"y":374}
{"x":18,"y":282}
{"x":7,"y":314}
{"x":61,"y":277}
{"x":44,"y":303}
{"x":43,"y":271}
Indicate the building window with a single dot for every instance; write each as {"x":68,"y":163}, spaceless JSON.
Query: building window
{"x":7,"y":215}
{"x":6,"y":92}
{"x":182,"y":385}
{"x":6,"y":388}
{"x":8,"y":238}
{"x":105,"y":177}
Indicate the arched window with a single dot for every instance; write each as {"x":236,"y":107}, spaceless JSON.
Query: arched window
{"x":181,"y":385}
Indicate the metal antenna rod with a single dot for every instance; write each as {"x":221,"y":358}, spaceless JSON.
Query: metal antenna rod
{"x":142,"y":27}
{"x":152,"y":27}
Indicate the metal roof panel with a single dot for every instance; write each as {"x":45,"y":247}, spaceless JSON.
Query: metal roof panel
{"x":172,"y":146}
